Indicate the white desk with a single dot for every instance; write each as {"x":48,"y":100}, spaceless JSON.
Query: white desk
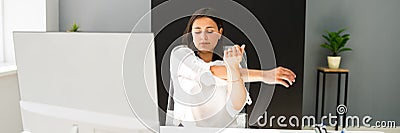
{"x":170,"y":129}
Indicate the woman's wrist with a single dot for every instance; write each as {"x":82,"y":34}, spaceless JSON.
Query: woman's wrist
{"x":233,"y":73}
{"x":232,"y":66}
{"x":268,"y":76}
{"x":233,"y":69}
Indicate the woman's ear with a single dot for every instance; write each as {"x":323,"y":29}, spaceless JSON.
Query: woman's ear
{"x":220,"y":32}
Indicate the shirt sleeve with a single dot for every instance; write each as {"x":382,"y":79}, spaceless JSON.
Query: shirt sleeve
{"x":229,"y":107}
{"x":186,"y":66}
{"x":233,"y":112}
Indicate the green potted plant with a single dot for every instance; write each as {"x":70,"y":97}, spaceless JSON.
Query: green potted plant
{"x":74,"y":28}
{"x":335,"y":42}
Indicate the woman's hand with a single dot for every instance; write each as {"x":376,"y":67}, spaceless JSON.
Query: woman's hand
{"x":233,"y":56}
{"x":279,"y":75}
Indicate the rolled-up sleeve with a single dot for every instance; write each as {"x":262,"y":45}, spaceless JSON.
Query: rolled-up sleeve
{"x":229,"y":106}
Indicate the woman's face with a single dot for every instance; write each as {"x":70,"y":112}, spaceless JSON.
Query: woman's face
{"x":205,"y":34}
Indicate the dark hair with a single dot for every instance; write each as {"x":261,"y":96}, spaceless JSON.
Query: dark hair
{"x":188,"y":38}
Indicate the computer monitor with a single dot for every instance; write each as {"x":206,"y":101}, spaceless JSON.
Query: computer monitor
{"x":87,"y":82}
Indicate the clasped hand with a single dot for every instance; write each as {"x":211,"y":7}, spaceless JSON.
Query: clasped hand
{"x":233,"y":56}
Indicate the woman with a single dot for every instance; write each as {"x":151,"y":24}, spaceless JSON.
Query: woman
{"x":209,"y":90}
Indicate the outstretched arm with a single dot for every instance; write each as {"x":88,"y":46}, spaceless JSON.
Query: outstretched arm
{"x":279,"y":75}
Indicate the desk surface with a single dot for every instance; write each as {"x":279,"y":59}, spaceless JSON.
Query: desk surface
{"x":170,"y":129}
{"x":324,"y":69}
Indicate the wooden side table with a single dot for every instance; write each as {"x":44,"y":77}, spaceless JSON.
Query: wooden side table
{"x":339,"y":72}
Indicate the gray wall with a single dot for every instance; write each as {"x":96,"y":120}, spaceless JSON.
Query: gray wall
{"x":373,"y":63}
{"x":104,"y":15}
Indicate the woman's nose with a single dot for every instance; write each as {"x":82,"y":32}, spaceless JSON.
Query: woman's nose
{"x":204,"y":36}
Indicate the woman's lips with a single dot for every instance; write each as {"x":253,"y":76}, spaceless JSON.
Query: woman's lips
{"x":204,"y":43}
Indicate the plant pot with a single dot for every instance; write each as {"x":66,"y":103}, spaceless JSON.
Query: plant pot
{"x":334,"y":62}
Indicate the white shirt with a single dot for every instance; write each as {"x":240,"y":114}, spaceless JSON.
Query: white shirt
{"x":200,"y":98}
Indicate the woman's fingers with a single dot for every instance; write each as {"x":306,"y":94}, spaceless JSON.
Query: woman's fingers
{"x":240,"y":49}
{"x":288,"y":75}
{"x":233,"y":55}
{"x":285,"y":78}
{"x":286,"y":72}
{"x":235,"y":50}
{"x":230,"y":50}
{"x":281,"y":82}
{"x":279,"y":75}
{"x":289,"y":71}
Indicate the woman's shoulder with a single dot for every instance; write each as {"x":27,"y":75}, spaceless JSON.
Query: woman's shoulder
{"x":181,"y":47}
